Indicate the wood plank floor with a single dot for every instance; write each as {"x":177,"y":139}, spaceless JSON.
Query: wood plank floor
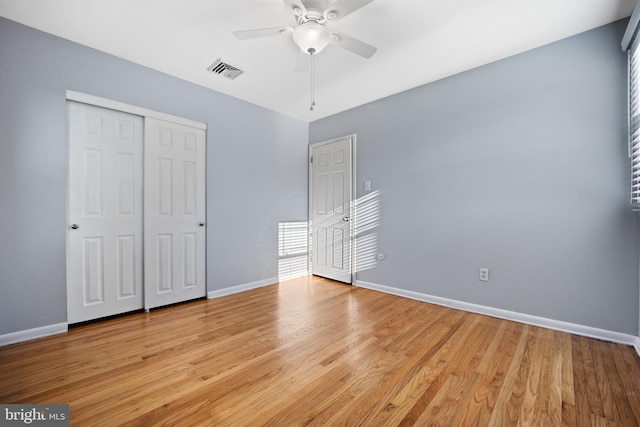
{"x":313,"y":352}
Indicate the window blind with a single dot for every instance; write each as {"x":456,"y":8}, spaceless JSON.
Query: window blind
{"x":634,"y":121}
{"x":630,"y":45}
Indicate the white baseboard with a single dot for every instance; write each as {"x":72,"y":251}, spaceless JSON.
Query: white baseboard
{"x":30,"y":334}
{"x":557,"y":325}
{"x":241,"y":288}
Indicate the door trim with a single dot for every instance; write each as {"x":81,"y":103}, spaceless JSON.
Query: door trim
{"x":131,"y":109}
{"x":352,"y":200}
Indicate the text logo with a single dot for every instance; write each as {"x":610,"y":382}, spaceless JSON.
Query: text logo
{"x":37,"y":415}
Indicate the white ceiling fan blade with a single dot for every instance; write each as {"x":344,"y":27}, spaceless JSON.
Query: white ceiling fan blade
{"x":303,"y":63}
{"x":342,"y":8}
{"x":353,"y":45}
{"x":296,"y":7}
{"x":262,"y":32}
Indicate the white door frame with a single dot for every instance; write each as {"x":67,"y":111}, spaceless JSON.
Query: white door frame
{"x":352,"y":208}
{"x":131,"y":109}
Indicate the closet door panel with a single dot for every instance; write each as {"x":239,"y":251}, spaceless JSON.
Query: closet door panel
{"x":104,"y":233}
{"x":174,"y":226}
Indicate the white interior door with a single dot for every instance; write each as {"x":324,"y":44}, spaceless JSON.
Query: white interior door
{"x":104,"y":241}
{"x":331,"y":206}
{"x":174,"y":228}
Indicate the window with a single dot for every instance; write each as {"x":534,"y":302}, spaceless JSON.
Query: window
{"x":630,"y":44}
{"x":634,"y":121}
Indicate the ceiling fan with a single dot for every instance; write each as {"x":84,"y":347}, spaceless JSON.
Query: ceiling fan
{"x":311,"y":35}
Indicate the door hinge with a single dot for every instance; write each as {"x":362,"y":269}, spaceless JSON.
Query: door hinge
{"x":311,"y":159}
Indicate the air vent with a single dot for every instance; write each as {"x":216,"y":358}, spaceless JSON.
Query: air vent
{"x":225,"y":69}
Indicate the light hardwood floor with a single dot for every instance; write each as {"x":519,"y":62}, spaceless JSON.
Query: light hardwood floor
{"x":313,"y":352}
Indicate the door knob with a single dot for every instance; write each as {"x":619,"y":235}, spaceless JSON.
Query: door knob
{"x":346,"y":218}
{"x":201,"y":224}
{"x":74,"y":226}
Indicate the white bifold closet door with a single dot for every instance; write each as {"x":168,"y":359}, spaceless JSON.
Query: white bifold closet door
{"x":136,"y":235}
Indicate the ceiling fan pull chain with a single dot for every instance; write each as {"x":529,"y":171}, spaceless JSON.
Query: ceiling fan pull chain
{"x":313,"y":96}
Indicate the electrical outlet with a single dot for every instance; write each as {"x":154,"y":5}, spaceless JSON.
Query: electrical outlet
{"x":484,"y":274}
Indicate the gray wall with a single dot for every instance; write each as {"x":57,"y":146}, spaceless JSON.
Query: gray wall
{"x":519,"y":166}
{"x":256,"y":169}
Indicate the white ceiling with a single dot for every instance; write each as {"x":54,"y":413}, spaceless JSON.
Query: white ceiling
{"x":418,"y":41}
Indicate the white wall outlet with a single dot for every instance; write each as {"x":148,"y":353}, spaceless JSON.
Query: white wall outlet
{"x":367,"y":185}
{"x":484,"y":274}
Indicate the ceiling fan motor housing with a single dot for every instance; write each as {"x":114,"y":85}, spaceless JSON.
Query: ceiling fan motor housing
{"x":312,"y":15}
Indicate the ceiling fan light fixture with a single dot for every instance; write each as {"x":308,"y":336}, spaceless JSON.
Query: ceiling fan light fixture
{"x":311,"y":37}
